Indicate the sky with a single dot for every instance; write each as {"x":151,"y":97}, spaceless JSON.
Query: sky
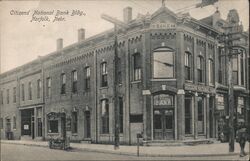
{"x":22,"y":41}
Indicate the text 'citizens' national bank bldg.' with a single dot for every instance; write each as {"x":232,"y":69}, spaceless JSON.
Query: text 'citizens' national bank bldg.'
{"x":172,"y":79}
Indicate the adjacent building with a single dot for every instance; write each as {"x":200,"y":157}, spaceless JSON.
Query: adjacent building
{"x":172,"y":83}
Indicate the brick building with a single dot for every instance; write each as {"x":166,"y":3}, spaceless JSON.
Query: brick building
{"x":172,"y":83}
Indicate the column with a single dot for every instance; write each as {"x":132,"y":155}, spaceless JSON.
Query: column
{"x":207,"y":116}
{"x":179,"y":72}
{"x":195,"y":116}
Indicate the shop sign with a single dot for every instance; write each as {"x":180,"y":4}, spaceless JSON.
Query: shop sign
{"x":163,"y":25}
{"x":26,"y":127}
{"x":220,"y":102}
{"x":163,"y":99}
{"x":199,"y":88}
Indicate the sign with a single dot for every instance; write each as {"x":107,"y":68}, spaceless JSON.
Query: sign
{"x":163,"y":25}
{"x":146,"y":92}
{"x":26,"y":127}
{"x":199,"y":88}
{"x":163,"y":99}
{"x":220,"y":102}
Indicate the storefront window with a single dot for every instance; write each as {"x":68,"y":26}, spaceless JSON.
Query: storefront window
{"x":240,"y":108}
{"x":188,"y":115}
{"x":53,"y":126}
{"x":200,"y":115}
{"x":163,"y":63}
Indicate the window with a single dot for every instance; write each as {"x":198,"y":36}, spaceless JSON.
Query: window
{"x":14,"y":94}
{"x":39,"y":87}
{"x":104,"y":75}
{"x":200,"y":115}
{"x":48,"y":85}
{"x":74,"y":122}
{"x":235,"y":70}
{"x":87,"y":78}
{"x":163,"y":64}
{"x":8,"y":96}
{"x":242,"y":73}
{"x":187,"y":66}
{"x":53,"y":126}
{"x":1,"y":97}
{"x":14,"y":122}
{"x":211,"y":71}
{"x":74,"y":81}
{"x":221,"y":75}
{"x":63,"y":83}
{"x":30,"y":91}
{"x":137,"y":67}
{"x":200,"y":69}
{"x":188,"y":115}
{"x":105,"y":116}
{"x":119,"y":71}
{"x":121,"y":114}
{"x":23,"y":92}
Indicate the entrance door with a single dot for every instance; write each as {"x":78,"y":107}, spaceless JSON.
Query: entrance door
{"x":163,"y":124}
{"x":87,"y":124}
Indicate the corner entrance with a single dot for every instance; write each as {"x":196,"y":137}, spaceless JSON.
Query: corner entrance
{"x":163,"y":117}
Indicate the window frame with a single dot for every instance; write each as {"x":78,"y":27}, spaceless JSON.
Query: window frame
{"x":105,"y":117}
{"x":137,"y":66}
{"x":74,"y":79}
{"x":188,"y":66}
{"x":104,"y":74}
{"x":200,"y":69}
{"x":172,"y":66}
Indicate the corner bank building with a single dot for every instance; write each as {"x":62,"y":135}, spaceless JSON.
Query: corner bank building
{"x":172,"y":79}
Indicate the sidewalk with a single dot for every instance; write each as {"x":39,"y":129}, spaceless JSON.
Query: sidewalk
{"x":216,"y":149}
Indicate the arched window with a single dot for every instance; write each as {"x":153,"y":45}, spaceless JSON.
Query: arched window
{"x":163,"y":65}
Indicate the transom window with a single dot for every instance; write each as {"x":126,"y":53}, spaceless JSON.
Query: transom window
{"x":163,"y":63}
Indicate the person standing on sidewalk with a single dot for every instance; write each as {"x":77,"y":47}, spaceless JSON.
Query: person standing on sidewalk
{"x":241,"y":137}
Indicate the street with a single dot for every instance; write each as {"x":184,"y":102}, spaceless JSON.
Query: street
{"x":13,"y":152}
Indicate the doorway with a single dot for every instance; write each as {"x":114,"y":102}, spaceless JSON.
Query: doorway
{"x":27,"y":122}
{"x":163,"y":124}
{"x":87,"y":128}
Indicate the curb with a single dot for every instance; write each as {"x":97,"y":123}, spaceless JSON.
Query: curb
{"x":131,"y":154}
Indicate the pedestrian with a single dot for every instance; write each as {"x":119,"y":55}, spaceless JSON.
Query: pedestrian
{"x":241,"y":137}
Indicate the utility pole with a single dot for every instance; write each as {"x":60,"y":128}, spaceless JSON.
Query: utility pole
{"x":230,"y":50}
{"x":115,"y":92}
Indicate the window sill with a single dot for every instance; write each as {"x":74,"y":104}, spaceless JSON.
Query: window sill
{"x":162,"y":79}
{"x":189,"y":81}
{"x":134,"y":82}
{"x":107,"y":134}
{"x":201,"y":83}
{"x":74,"y":134}
{"x":103,"y":88}
{"x":52,"y":133}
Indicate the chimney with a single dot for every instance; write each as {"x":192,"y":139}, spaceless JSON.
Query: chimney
{"x":127,"y":14}
{"x":81,"y":34}
{"x":59,"y":44}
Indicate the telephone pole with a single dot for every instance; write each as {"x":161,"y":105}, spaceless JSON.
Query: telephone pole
{"x":115,"y":92}
{"x":232,"y":33}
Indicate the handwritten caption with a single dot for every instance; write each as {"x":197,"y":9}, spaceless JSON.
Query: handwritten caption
{"x":48,"y":15}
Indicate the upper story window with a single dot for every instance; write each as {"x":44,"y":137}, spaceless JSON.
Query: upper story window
{"x":74,"y":81}
{"x":239,"y":67}
{"x":39,"y":88}
{"x":48,"y":87}
{"x":104,"y":75}
{"x":14,"y":94}
{"x":188,"y":64}
{"x":137,"y":66}
{"x":221,"y":75}
{"x":30,"y":91}
{"x":8,"y":96}
{"x":1,"y":97}
{"x":200,"y":68}
{"x":163,"y":63}
{"x":23,"y":92}
{"x":211,"y":71}
{"x":105,"y":116}
{"x":63,"y":83}
{"x":87,"y":78}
